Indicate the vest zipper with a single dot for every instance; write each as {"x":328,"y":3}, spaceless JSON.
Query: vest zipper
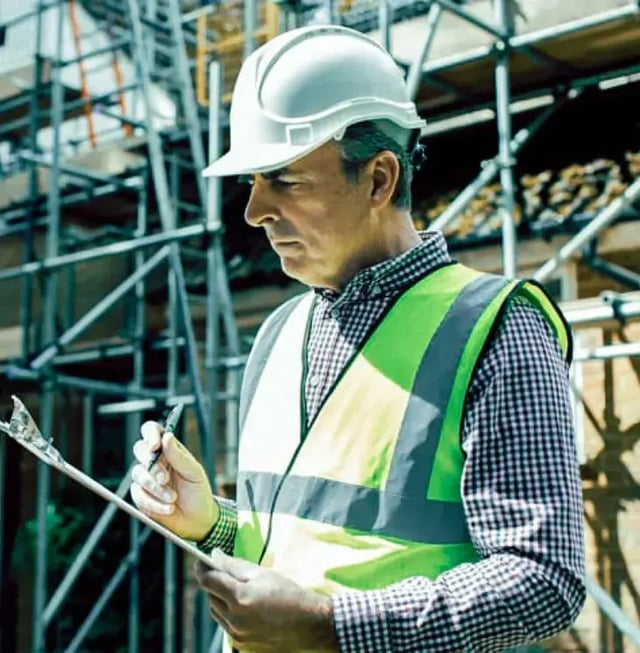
{"x":303,"y":385}
{"x":303,"y":428}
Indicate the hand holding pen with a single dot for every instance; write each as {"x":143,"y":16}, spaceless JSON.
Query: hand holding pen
{"x":169,"y":484}
{"x":169,"y":427}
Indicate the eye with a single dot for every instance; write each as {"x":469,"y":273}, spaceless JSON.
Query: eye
{"x":283,"y":183}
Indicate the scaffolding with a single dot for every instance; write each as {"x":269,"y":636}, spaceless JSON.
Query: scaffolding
{"x":158,"y":219}
{"x":169,"y":224}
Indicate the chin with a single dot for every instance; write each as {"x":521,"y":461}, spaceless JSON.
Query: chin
{"x":295,"y":270}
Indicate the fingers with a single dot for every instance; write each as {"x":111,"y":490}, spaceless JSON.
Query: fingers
{"x":223,"y":586}
{"x":149,"y":503}
{"x":181,"y":460}
{"x":241,"y":570}
{"x":151,"y":433}
{"x":218,"y":611}
{"x":151,"y":441}
{"x":148,"y":489}
{"x":154,"y":483}
{"x":177,"y":456}
{"x":141,"y":452}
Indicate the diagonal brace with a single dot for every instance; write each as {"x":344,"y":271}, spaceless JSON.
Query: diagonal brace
{"x":491,"y":168}
{"x":99,"y":309}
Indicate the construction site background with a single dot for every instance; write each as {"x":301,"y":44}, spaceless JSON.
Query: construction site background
{"x":98,"y":334}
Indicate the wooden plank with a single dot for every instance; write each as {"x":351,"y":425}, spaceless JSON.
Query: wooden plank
{"x":590,"y":51}
{"x":10,"y":342}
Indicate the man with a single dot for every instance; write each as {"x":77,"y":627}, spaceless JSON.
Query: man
{"x":407,"y":474}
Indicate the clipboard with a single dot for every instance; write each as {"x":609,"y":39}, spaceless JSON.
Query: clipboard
{"x":22,"y":428}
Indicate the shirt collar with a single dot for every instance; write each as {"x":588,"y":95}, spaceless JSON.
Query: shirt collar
{"x":394,"y":274}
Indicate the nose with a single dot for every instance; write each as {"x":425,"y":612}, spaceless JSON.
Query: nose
{"x":260,"y":208}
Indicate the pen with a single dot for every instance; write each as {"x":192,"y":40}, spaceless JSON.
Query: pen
{"x":169,"y":426}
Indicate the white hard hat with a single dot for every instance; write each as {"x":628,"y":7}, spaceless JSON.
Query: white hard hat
{"x":305,"y":87}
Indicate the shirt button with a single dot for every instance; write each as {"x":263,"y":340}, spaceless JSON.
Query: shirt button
{"x":314,"y":381}
{"x":375,"y":290}
{"x":335,"y":312}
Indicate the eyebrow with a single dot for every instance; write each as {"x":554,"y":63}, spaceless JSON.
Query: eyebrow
{"x":279,"y":172}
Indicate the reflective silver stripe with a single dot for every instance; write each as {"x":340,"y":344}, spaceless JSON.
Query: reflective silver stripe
{"x":413,"y":458}
{"x":352,"y":506}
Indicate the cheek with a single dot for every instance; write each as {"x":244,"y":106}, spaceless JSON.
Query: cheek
{"x":329,"y":215}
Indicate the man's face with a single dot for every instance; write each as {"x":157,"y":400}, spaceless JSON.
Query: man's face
{"x":318,"y":222}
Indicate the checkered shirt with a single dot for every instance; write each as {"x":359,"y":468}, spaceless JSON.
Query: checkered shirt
{"x":521,"y":487}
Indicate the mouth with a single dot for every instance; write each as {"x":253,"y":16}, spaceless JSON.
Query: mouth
{"x":277,"y":244}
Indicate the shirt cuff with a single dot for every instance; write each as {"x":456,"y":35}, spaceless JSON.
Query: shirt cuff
{"x":360,"y":621}
{"x":223,"y":533}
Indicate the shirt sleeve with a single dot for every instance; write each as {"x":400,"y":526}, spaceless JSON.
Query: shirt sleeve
{"x":223,"y":533}
{"x":522,"y":498}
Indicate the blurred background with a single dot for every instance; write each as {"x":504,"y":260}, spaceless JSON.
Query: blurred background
{"x":128,"y":283}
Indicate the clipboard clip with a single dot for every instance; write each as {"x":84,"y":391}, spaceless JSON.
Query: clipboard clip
{"x":22,"y":427}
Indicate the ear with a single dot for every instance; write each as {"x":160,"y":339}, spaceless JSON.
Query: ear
{"x":385,"y":173}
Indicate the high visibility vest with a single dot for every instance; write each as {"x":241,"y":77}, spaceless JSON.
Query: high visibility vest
{"x":369,"y":493}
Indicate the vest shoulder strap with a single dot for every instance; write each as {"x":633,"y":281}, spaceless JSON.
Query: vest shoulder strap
{"x":536,"y":294}
{"x":260,"y":352}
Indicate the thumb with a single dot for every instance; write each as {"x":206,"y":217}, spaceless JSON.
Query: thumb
{"x":239,"y":569}
{"x":181,"y":460}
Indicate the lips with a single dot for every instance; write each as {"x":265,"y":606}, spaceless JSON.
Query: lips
{"x":284,"y":243}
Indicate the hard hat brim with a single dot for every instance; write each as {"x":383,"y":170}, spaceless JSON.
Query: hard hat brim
{"x":262,"y":158}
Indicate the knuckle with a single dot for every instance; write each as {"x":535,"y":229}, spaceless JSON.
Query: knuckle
{"x":141,"y":477}
{"x":160,"y":475}
{"x":150,"y":484}
{"x":243,"y":600}
{"x":141,"y":499}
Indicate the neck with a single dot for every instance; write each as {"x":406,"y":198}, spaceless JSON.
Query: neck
{"x":394,"y":234}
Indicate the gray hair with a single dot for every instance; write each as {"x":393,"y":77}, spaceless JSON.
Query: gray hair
{"x":362,"y":141}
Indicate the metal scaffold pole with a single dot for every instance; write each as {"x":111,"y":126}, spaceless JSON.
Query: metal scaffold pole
{"x":414,"y":75}
{"x":505,"y":157}
{"x":385,"y":19}
{"x":173,"y":365}
{"x":3,"y":483}
{"x":33,"y":188}
{"x":250,"y":25}
{"x":220,"y":311}
{"x":134,"y":419}
{"x":167,"y":212}
{"x":212,"y":342}
{"x":50,"y":307}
